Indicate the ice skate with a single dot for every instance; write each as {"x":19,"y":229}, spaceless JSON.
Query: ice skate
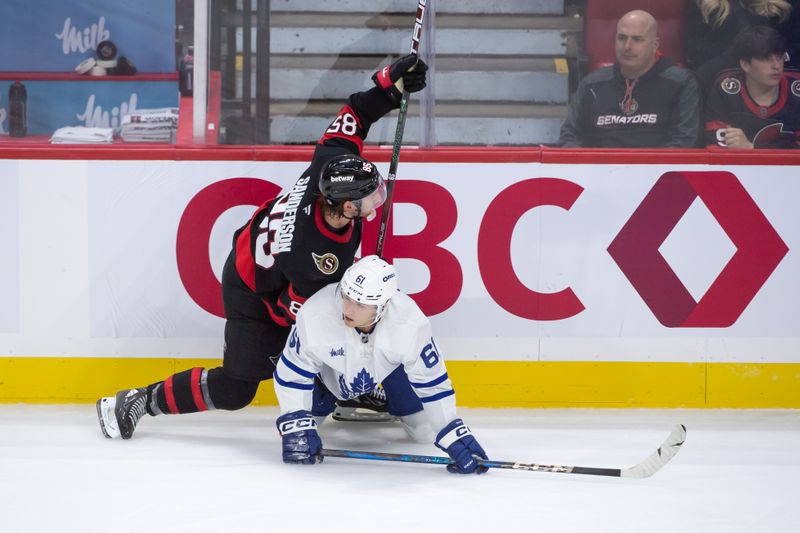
{"x":119,"y":414}
{"x":369,"y":407}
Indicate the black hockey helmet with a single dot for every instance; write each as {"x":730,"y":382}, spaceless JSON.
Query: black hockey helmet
{"x":349,"y":177}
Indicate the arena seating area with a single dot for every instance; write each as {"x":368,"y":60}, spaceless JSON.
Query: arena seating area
{"x":513,"y":91}
{"x":504,"y":70}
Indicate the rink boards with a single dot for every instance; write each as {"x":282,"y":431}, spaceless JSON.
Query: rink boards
{"x":581,"y":282}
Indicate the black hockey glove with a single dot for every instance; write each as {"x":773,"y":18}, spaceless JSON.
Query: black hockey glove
{"x":301,"y":442}
{"x":406,"y":73}
{"x":457,"y":440}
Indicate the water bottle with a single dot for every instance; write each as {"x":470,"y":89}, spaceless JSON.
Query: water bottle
{"x":17,"y":110}
{"x":186,"y":81}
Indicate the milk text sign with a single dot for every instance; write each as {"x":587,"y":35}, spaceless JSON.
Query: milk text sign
{"x":55,"y":35}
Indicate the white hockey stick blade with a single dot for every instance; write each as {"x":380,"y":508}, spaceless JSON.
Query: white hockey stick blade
{"x":660,"y":457}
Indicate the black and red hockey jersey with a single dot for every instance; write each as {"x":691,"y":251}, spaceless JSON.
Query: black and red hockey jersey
{"x":286,"y":252}
{"x":730,"y":106}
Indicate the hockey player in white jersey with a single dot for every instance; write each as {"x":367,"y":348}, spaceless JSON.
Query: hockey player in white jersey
{"x":349,"y":338}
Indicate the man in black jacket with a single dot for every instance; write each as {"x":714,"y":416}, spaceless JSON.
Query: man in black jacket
{"x":642,"y":101}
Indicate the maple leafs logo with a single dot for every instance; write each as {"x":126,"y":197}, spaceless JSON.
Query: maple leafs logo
{"x":361,"y":384}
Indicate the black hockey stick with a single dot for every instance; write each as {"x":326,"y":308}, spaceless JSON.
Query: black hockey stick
{"x":644,"y":469}
{"x":398,"y":136}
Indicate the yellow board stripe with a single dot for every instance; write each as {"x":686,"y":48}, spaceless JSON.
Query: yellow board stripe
{"x":477,"y":383}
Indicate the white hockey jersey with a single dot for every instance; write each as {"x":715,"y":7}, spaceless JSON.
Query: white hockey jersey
{"x":320,"y":344}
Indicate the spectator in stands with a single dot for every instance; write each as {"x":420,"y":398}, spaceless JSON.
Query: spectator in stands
{"x":712,"y":26}
{"x":759,"y":106}
{"x":642,"y":101}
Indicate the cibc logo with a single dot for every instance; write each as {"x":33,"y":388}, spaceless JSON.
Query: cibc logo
{"x":759,"y":249}
{"x":635,"y":248}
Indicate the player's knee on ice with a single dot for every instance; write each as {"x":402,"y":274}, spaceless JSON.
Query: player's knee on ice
{"x":418,"y":427}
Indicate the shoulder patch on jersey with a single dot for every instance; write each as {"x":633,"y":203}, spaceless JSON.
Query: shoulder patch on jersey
{"x":326,"y":263}
{"x":731,"y":85}
{"x":795,"y":88}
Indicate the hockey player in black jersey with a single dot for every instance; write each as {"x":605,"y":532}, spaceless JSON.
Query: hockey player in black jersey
{"x":293,"y":246}
{"x":759,"y":105}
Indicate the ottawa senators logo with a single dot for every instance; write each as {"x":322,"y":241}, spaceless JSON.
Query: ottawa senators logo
{"x":795,"y":88}
{"x":731,"y":85}
{"x":629,"y":106}
{"x":326,"y":263}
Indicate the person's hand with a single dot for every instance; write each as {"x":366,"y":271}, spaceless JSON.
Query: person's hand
{"x":301,"y":442}
{"x":407,"y":73}
{"x":733,"y":138}
{"x":456,"y":439}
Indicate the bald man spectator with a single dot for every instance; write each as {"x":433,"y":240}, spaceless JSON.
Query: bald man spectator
{"x":642,"y":101}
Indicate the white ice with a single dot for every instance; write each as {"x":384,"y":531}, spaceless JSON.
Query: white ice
{"x":221,"y":472}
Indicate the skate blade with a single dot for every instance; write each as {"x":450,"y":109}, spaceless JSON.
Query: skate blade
{"x":109,"y":433}
{"x":349,"y":414}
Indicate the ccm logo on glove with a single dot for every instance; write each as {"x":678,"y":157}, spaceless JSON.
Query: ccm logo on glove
{"x":293,"y":426}
{"x":453,"y":435}
{"x":457,"y":440}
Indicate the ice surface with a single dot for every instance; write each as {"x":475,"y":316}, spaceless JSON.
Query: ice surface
{"x":221,"y":472}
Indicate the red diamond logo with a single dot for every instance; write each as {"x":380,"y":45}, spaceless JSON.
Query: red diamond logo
{"x":759,"y":249}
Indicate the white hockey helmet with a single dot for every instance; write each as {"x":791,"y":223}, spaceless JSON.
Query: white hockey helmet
{"x":370,"y":281}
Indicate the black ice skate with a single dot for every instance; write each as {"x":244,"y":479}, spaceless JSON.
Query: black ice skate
{"x":119,"y":414}
{"x":369,"y":407}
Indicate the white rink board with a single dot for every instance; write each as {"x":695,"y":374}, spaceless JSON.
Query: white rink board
{"x":95,"y":249}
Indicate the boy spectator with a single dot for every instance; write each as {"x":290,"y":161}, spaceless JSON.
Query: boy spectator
{"x":759,"y":106}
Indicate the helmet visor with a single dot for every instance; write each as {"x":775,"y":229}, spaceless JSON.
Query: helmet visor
{"x":368,"y":206}
{"x":376,"y":198}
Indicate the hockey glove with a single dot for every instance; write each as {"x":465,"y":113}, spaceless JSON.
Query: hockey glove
{"x":406,"y":73}
{"x":457,"y":440}
{"x":301,"y":442}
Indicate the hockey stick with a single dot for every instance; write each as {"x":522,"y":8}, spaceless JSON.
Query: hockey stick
{"x":644,"y":469}
{"x":398,"y":136}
